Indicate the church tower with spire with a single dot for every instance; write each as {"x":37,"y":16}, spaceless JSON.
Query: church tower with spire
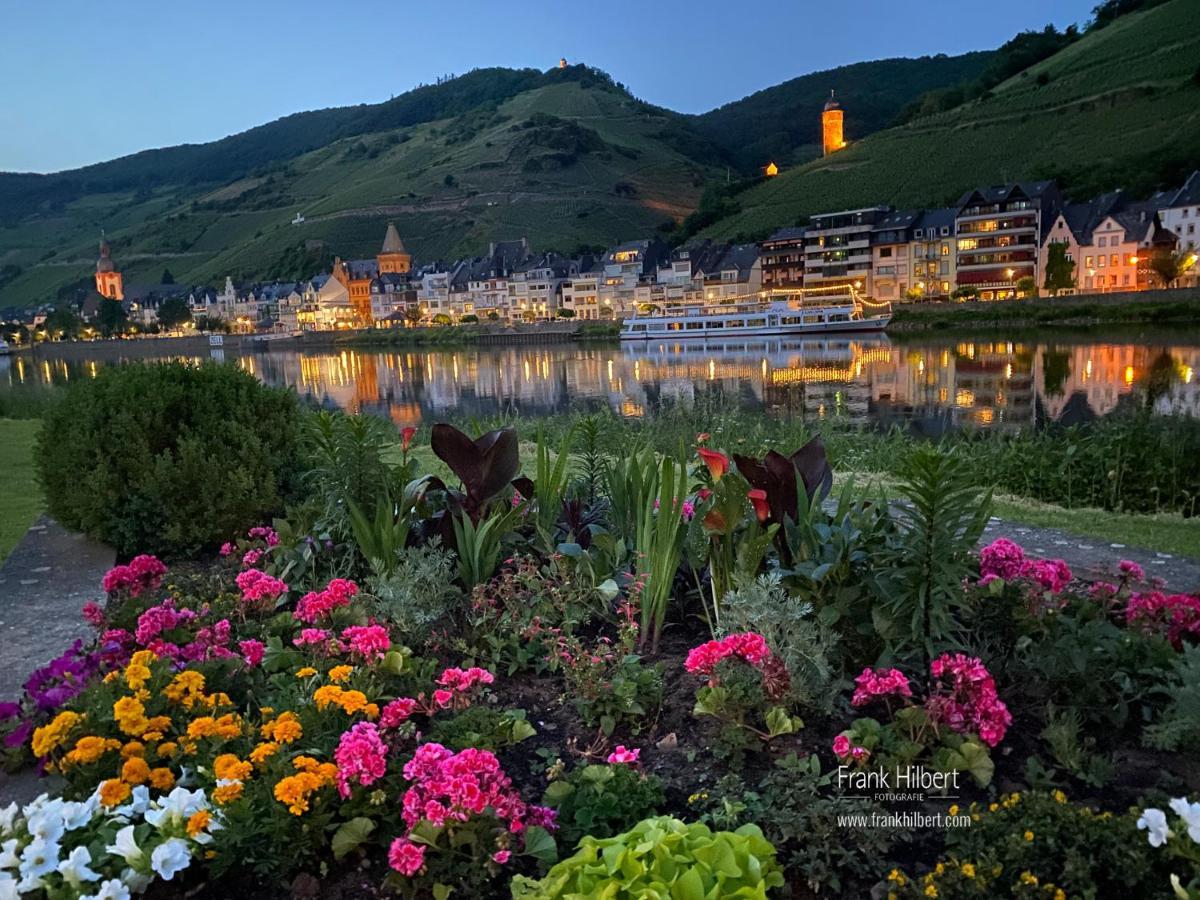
{"x":833,"y":137}
{"x":108,"y":279}
{"x":393,"y":257}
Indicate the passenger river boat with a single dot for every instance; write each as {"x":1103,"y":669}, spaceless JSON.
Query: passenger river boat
{"x":771,"y":315}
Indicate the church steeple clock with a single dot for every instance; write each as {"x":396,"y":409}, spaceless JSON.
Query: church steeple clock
{"x":108,"y":279}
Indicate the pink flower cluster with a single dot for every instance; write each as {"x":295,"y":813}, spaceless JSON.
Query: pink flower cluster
{"x":1131,"y":570}
{"x":1175,"y":615}
{"x":747,"y":645}
{"x":313,"y":637}
{"x":447,"y":787}
{"x":259,"y":587}
{"x":157,"y":619}
{"x":965,"y":698}
{"x":361,"y":757}
{"x":624,"y":756}
{"x":845,"y":749}
{"x":1004,"y":559}
{"x":463,"y":680}
{"x":315,"y":605}
{"x":367,"y":641}
{"x":397,"y":712}
{"x":143,"y":573}
{"x":879,"y":684}
{"x":264,"y":533}
{"x":93,"y":614}
{"x":252,"y":651}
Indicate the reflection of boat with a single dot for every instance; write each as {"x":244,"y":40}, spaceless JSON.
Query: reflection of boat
{"x":776,"y":317}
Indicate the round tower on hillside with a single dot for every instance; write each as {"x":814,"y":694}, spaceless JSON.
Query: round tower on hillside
{"x":832,"y":134}
{"x":108,"y":279}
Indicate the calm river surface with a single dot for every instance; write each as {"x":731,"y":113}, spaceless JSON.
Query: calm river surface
{"x":929,"y":383}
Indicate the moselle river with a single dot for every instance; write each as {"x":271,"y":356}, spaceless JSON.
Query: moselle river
{"x":930,"y":384}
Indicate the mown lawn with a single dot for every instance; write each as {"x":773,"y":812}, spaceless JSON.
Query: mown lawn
{"x":21,"y":498}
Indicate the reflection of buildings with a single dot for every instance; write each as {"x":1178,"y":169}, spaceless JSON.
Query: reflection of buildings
{"x":866,"y":381}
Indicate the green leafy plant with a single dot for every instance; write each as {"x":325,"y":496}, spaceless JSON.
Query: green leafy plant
{"x":602,"y":800}
{"x":659,"y":536}
{"x":477,"y":546}
{"x":168,"y":458}
{"x":662,"y":856}
{"x":484,"y":727}
{"x":939,"y":519}
{"x":418,"y":592}
{"x":1178,"y":725}
{"x":551,"y":477}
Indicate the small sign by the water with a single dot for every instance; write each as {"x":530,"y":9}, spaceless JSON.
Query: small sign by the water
{"x":216,"y":340}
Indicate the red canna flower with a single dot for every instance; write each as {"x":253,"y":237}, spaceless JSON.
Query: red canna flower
{"x":718,"y":463}
{"x":758,"y":498}
{"x":406,"y":436}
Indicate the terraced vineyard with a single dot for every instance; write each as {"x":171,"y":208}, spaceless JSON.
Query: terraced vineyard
{"x":1119,"y":108}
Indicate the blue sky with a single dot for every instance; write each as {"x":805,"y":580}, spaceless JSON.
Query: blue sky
{"x":84,"y":82}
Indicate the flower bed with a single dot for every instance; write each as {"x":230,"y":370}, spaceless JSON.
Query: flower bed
{"x":695,"y":655}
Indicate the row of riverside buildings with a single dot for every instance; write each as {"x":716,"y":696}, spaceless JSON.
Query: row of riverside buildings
{"x":986,"y":245}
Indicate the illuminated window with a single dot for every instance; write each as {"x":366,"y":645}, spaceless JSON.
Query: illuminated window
{"x":1089,"y":262}
{"x":968,"y":244}
{"x":1116,"y":260}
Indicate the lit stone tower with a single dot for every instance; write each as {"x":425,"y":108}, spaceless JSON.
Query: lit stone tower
{"x":393,"y":257}
{"x":832,"y":135}
{"x":108,"y":279}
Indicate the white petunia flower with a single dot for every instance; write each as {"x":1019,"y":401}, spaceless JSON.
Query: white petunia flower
{"x":38,"y":859}
{"x":75,"y":870}
{"x":113,"y":889}
{"x":171,"y":856}
{"x":47,"y":823}
{"x":1190,"y":813}
{"x":8,"y":854}
{"x":8,"y":818}
{"x":77,"y":815}
{"x":176,"y":807}
{"x":1154,"y":821}
{"x":139,"y":802}
{"x":8,"y":888}
{"x":136,"y":881}
{"x":125,"y":846}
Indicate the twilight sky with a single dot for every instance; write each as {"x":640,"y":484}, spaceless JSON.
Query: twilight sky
{"x":84,"y":82}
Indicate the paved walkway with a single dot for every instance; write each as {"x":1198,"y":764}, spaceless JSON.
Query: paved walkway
{"x":43,"y":584}
{"x":1091,"y":557}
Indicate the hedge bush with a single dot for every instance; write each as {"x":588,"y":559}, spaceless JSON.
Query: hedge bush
{"x":168,"y":458}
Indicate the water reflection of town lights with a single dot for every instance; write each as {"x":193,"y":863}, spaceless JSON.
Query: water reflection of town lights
{"x":1129,"y":374}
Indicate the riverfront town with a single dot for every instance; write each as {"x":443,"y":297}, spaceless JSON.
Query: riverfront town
{"x":772,"y":475}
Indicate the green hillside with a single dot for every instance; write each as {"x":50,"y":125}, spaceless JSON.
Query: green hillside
{"x":783,"y":123}
{"x":1118,"y":108}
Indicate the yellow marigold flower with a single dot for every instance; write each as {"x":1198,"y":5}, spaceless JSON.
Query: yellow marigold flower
{"x":968,"y":870}
{"x":227,"y":767}
{"x":143,"y":658}
{"x":1028,"y":877}
{"x":198,"y":821}
{"x":50,"y":737}
{"x":304,"y":764}
{"x":266,"y":711}
{"x":151,"y":736}
{"x":286,"y":728}
{"x":227,"y":793}
{"x":220,"y":698}
{"x":185,"y":688}
{"x":162,"y":778}
{"x":930,"y":890}
{"x":352,"y":701}
{"x":142,"y":694}
{"x":371,"y":710}
{"x":327,"y":694}
{"x":112,"y":676}
{"x":1059,"y":894}
{"x":167,"y":749}
{"x":306,"y":672}
{"x":133,"y":748}
{"x":160,"y":723}
{"x":229,"y":726}
{"x":135,"y":771}
{"x":188,"y":745}
{"x":897,"y":876}
{"x":202,"y":727}
{"x":338,"y":674}
{"x":993,"y":807}
{"x":953,"y":809}
{"x":327,"y":772}
{"x":939,"y":869}
{"x":263,"y":752}
{"x":1029,"y":835}
{"x":90,"y":748}
{"x":1060,"y":797}
{"x":136,"y":676}
{"x":114,"y":792}
{"x":294,"y":791}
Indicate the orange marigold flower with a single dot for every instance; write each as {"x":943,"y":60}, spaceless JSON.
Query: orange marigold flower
{"x":263,"y":752}
{"x":135,"y":770}
{"x":227,"y":767}
{"x":136,"y":676}
{"x":151,"y":736}
{"x":197,"y":822}
{"x":185,"y":688}
{"x":202,"y":727}
{"x":133,"y":748}
{"x":338,"y":674}
{"x":143,"y":658}
{"x":352,"y":701}
{"x":227,"y":793}
{"x":229,"y":726}
{"x":371,"y":710}
{"x":160,"y":723}
{"x":51,"y":736}
{"x":306,"y":672}
{"x":162,"y":778}
{"x":327,"y":694}
{"x":286,"y":728}
{"x":114,"y":792}
{"x":90,"y":748}
{"x":294,"y":790}
{"x":167,"y":749}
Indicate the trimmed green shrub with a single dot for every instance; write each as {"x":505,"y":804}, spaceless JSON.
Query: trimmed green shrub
{"x":168,"y":458}
{"x":662,"y":857}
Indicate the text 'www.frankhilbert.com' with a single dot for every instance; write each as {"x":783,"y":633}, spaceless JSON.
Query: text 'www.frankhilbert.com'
{"x":902,"y":784}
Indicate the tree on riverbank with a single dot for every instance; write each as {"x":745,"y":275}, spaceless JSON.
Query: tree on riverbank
{"x":1060,"y":269}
